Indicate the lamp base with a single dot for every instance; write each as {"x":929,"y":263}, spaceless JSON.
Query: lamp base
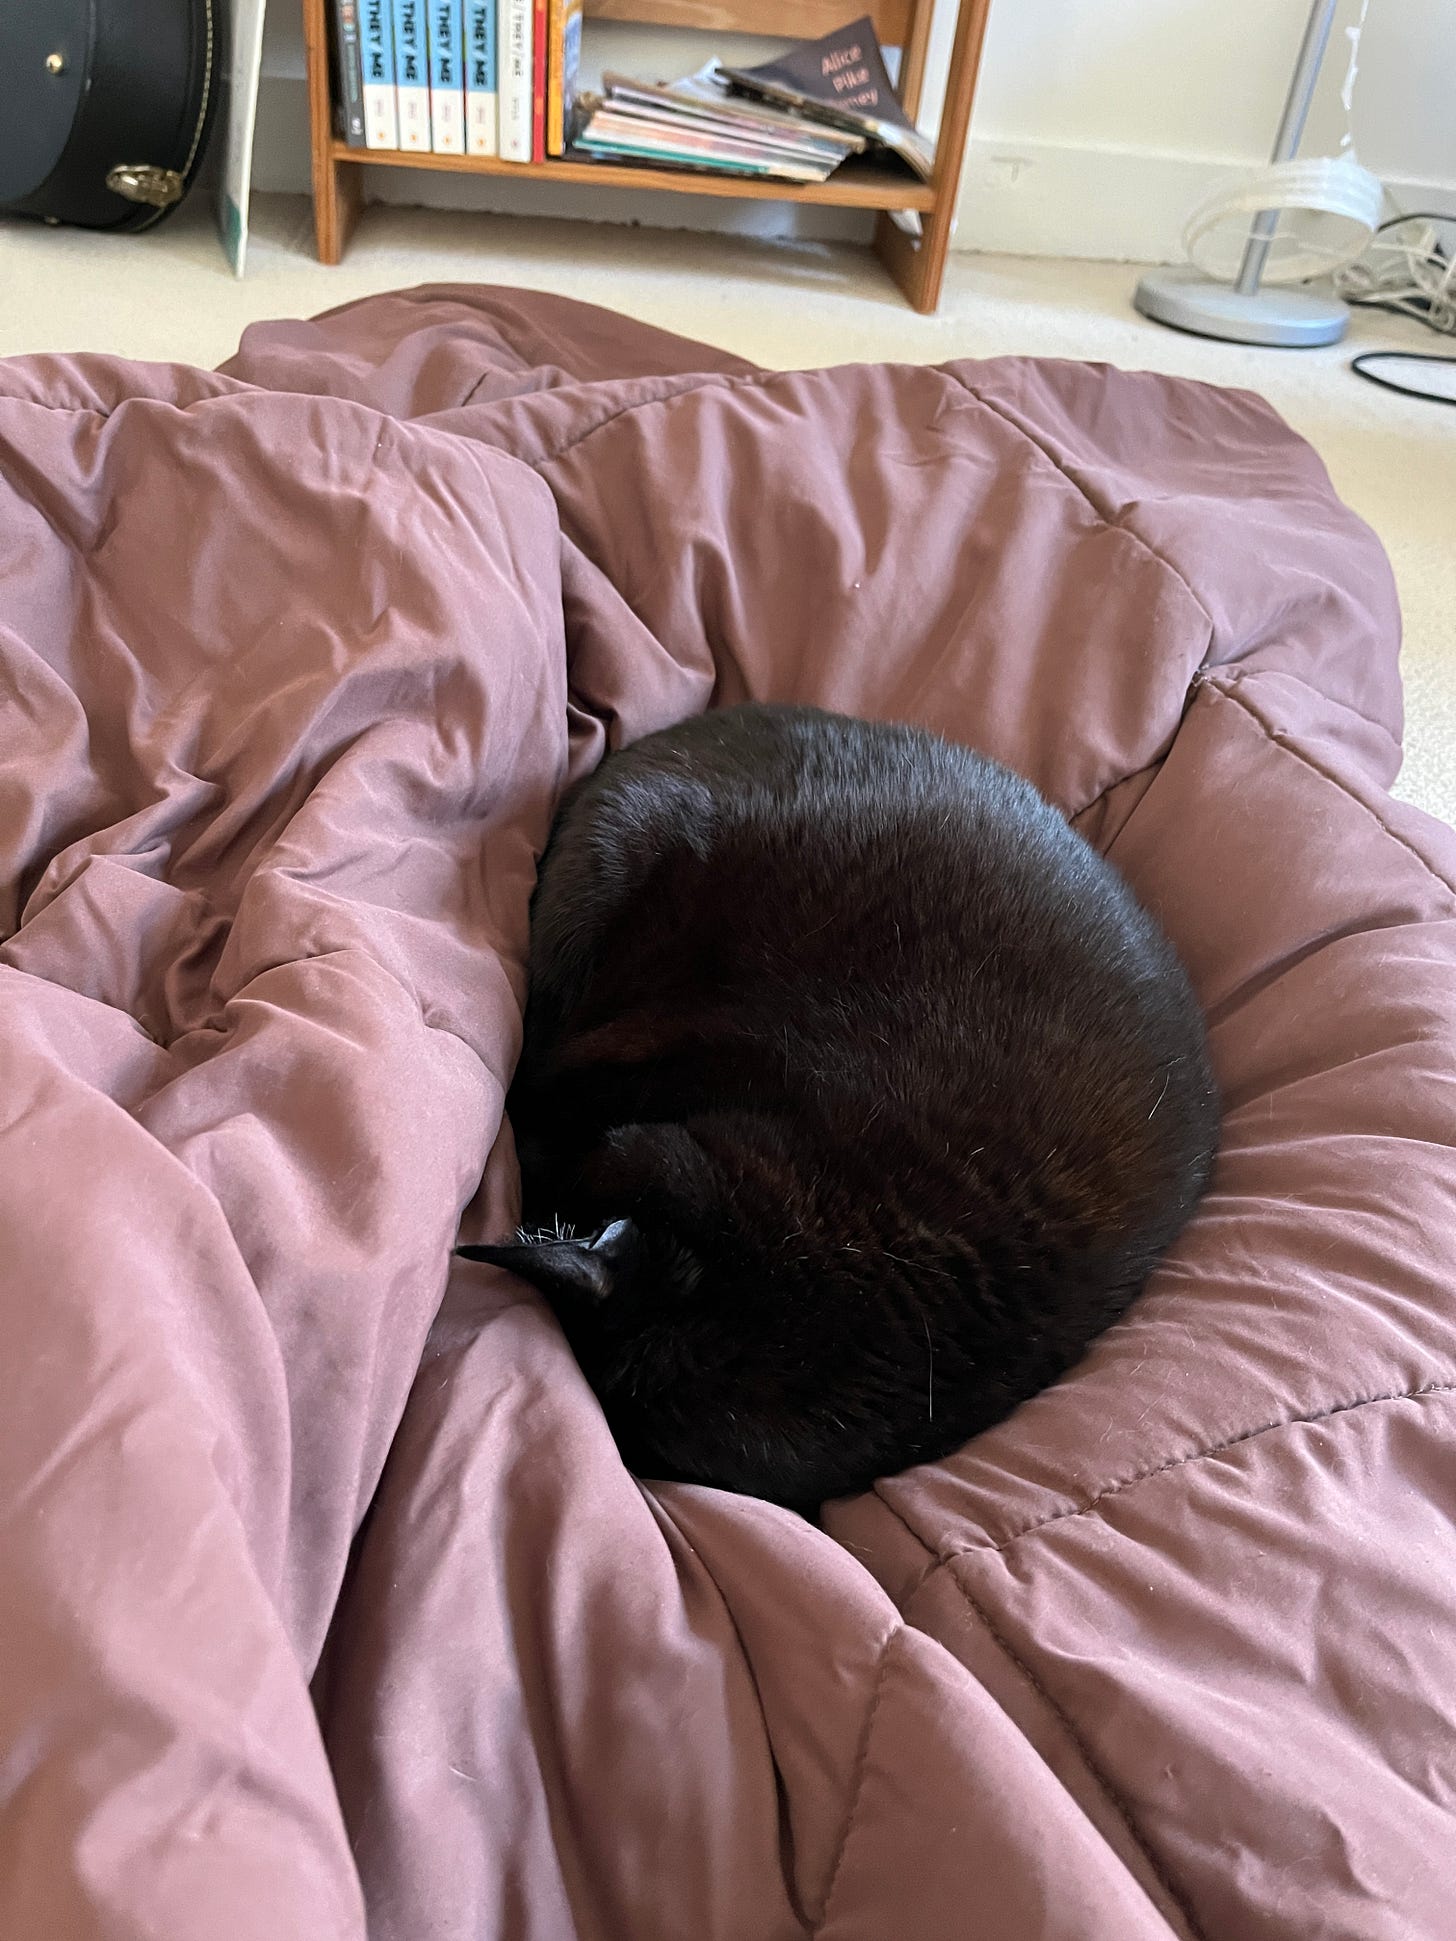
{"x":1186,"y":299}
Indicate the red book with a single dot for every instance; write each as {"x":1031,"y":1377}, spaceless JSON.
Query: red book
{"x":538,"y":83}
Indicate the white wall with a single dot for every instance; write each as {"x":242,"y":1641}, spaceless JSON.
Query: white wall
{"x":1098,"y":123}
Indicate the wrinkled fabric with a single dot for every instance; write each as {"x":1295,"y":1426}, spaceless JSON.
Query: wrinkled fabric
{"x":327,"y":1608}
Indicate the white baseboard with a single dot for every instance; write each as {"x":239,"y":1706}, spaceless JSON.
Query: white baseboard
{"x":1113,"y":204}
{"x":1041,"y":199}
{"x":1017,"y":198}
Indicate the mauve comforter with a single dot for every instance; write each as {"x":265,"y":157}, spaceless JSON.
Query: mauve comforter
{"x":326,"y":1607}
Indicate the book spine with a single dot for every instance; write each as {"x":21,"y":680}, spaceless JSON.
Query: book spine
{"x":381,"y":126}
{"x":351,"y":70}
{"x":447,"y":81}
{"x":515,"y":80}
{"x":411,"y":75}
{"x":571,"y":67}
{"x":538,"y":81}
{"x":562,"y":72}
{"x":555,"y":52}
{"x":481,"y":115}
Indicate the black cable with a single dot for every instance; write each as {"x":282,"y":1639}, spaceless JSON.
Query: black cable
{"x":1416,"y":215}
{"x":1405,"y":306}
{"x":1358,"y":366}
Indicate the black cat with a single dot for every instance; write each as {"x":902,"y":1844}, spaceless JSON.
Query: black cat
{"x":875,"y":1091}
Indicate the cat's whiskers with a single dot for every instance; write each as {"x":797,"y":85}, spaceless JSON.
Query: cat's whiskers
{"x":540,"y":1236}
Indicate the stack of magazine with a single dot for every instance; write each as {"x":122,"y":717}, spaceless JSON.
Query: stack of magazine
{"x":794,"y":119}
{"x":698,"y":124}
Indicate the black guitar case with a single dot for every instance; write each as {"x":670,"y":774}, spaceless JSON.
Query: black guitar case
{"x":105,"y":107}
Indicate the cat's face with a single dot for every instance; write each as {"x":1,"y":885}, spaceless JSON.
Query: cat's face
{"x":631,"y":1299}
{"x":699,"y":1355}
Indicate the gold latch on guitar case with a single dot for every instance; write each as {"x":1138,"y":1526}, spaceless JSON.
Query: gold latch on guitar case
{"x":141,"y":182}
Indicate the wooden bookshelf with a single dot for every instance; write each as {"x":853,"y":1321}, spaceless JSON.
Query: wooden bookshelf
{"x":916,"y":264}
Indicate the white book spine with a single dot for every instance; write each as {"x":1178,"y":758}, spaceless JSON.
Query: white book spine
{"x":376,"y":46}
{"x":447,"y":124}
{"x":447,"y":83}
{"x":411,"y":75}
{"x":515,"y":80}
{"x":480,"y":124}
{"x":381,"y":128}
{"x":482,"y":117}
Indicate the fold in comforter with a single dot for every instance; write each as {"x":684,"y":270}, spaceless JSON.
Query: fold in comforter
{"x":327,"y":1607}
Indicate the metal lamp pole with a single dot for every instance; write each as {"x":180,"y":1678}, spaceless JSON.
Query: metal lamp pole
{"x":1186,"y":299}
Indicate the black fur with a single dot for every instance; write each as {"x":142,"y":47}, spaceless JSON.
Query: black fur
{"x":876,"y":1090}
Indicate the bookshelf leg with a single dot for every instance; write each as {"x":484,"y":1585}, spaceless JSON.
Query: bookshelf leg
{"x":917,"y":267}
{"x":337,"y":189}
{"x":337,"y":194}
{"x":349,"y":194}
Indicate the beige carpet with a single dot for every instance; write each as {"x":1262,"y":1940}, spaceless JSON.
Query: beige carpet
{"x":170,"y":296}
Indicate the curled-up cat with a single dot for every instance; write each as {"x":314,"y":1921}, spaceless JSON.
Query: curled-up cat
{"x":869,"y":1089}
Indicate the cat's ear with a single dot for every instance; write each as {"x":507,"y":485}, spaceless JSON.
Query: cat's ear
{"x":581,"y":1270}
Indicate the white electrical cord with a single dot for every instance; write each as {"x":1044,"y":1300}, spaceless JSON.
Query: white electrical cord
{"x":1410,"y":266}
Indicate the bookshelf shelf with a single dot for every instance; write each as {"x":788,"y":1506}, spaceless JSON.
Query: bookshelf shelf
{"x":916,"y":264}
{"x":855,"y":184}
